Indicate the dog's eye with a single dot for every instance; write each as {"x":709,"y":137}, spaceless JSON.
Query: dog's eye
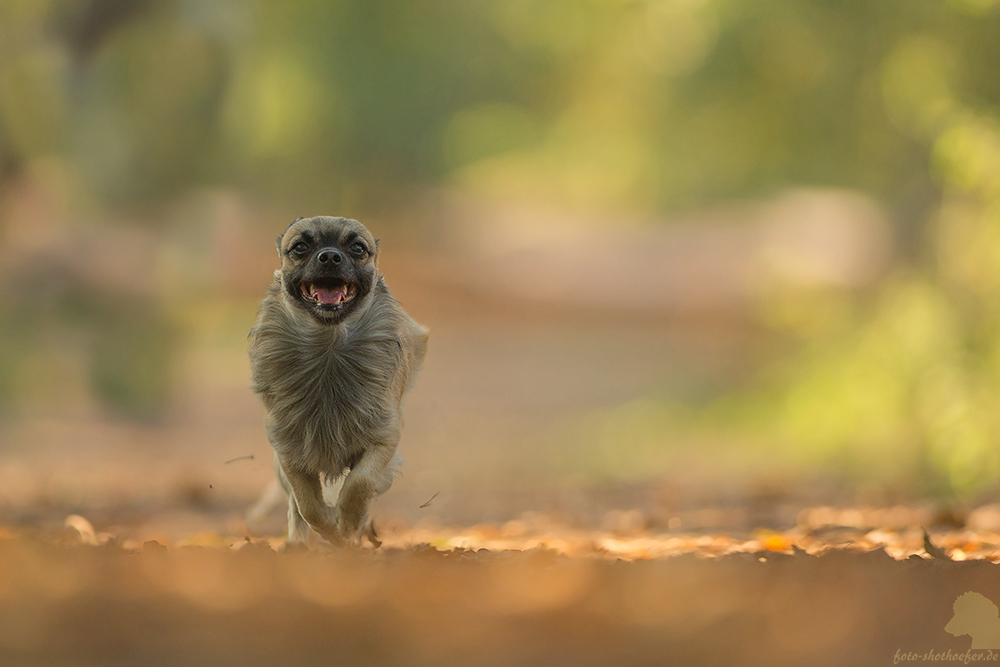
{"x":299,"y":248}
{"x":359,"y":250}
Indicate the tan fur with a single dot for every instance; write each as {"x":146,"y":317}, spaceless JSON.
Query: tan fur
{"x":332,"y":384}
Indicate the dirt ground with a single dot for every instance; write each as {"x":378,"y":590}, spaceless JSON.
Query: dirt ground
{"x":521,"y":593}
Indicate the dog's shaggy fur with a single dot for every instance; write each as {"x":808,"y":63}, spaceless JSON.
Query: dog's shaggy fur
{"x":332,"y":353}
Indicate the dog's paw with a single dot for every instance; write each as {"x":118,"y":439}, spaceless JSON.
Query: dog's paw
{"x":333,"y":536}
{"x":366,"y":532}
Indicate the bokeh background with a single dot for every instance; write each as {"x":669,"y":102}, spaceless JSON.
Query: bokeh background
{"x":705,"y":259}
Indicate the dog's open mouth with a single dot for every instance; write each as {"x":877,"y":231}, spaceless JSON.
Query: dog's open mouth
{"x":330,"y":294}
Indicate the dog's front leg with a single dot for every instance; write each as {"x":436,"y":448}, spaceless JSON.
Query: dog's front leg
{"x":371,"y":476}
{"x":307,"y":494}
{"x":298,"y":528}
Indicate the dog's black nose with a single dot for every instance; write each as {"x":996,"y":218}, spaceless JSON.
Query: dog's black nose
{"x":330,"y":255}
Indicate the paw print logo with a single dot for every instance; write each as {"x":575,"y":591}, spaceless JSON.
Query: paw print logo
{"x":978,"y":617}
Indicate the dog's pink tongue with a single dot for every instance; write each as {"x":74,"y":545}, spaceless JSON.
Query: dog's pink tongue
{"x":331,"y":296}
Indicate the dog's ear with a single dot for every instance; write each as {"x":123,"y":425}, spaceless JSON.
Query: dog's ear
{"x":277,"y":241}
{"x":376,"y":254}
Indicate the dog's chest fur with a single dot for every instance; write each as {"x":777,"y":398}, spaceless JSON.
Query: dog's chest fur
{"x":330,"y":391}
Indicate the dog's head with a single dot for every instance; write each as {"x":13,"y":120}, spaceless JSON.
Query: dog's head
{"x":328,"y":266}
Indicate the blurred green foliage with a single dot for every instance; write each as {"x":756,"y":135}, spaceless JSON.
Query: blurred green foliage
{"x":899,"y":386}
{"x":129,"y":343}
{"x":642,"y":104}
{"x":132,"y":358}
